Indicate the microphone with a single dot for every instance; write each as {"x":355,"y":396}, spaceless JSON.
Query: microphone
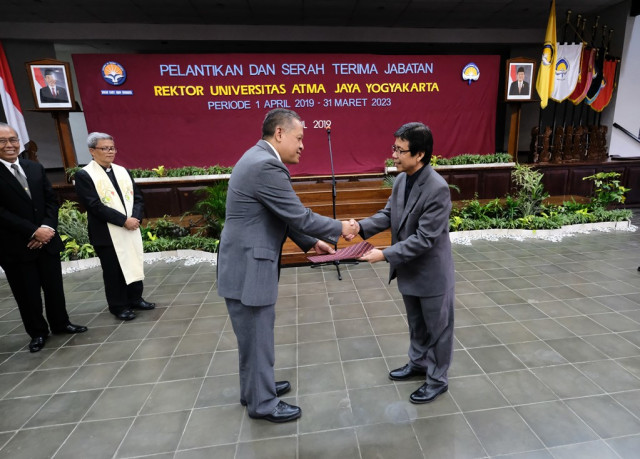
{"x":328,"y":131}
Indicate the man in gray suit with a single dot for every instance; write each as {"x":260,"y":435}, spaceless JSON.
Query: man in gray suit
{"x":262,"y":210}
{"x":420,"y":257}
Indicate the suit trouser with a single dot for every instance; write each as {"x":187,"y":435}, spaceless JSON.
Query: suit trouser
{"x":431,"y":334}
{"x":26,"y":279}
{"x":120,"y":296}
{"x":253,"y":326}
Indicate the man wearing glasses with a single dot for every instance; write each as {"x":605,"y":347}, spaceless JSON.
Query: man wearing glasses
{"x":420,"y":258}
{"x":29,"y":244}
{"x":114,"y":209}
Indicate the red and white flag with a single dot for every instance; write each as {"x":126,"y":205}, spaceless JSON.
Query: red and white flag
{"x":10,"y":103}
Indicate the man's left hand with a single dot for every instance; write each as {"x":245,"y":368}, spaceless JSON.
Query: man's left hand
{"x":322,"y":248}
{"x":373,"y":256}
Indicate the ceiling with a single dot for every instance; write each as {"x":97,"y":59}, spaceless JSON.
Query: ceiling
{"x":432,"y":14}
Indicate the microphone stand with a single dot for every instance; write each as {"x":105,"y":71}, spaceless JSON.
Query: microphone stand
{"x":334,"y":193}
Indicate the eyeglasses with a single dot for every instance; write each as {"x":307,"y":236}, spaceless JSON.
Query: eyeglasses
{"x":13,"y":140}
{"x":397,"y":149}
{"x":106,"y":149}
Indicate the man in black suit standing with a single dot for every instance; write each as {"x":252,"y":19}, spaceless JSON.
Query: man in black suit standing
{"x":114,"y":209}
{"x":52,"y":93}
{"x":519,"y":87}
{"x":29,"y":244}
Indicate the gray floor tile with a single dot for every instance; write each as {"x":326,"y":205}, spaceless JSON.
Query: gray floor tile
{"x":476,"y":393}
{"x":95,"y":440}
{"x":555,"y":424}
{"x":566,"y":381}
{"x":626,"y":447}
{"x":495,"y":358}
{"x":605,"y":416}
{"x":325,"y":377}
{"x":119,"y":402}
{"x":325,"y":411}
{"x":344,"y":444}
{"x":609,"y":375}
{"x":39,"y":443}
{"x":156,"y":433}
{"x":536,"y":354}
{"x":522,"y":387}
{"x":536,"y":321}
{"x":588,"y":450}
{"x":172,"y":396}
{"x":502,"y":431}
{"x":284,"y":448}
{"x":388,"y":440}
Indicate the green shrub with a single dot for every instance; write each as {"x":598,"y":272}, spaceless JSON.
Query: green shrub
{"x":607,"y":189}
{"x":73,"y":223}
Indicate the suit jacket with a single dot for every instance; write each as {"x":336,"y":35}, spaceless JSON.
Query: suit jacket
{"x":513,"y":89}
{"x":262,"y":209}
{"x":420,"y":254}
{"x":47,"y":97}
{"x":98,"y":215}
{"x":21,"y":216}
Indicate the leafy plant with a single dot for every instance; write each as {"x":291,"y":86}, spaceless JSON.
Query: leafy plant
{"x":74,"y":251}
{"x":213,"y":209}
{"x":161,"y":244}
{"x":530,"y":190}
{"x":607,"y":189}
{"x":73,"y":223}
{"x":160,"y":171}
{"x":164,"y":227}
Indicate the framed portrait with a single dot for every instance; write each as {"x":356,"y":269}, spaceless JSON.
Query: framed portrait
{"x":519,"y":80}
{"x":51,"y":84}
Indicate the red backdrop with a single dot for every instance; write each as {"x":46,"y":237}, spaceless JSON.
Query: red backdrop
{"x":176,"y":112}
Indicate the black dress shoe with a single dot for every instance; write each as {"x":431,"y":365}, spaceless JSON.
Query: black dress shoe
{"x":142,"y":304}
{"x":126,"y":314}
{"x":282,"y":387}
{"x":283,"y":412}
{"x":70,"y":328}
{"x":37,"y":343}
{"x":406,"y":372}
{"x":426,"y":394}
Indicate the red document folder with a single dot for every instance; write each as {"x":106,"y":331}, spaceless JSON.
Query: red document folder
{"x":348,"y":253}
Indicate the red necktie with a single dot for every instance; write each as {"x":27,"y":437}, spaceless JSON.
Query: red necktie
{"x":53,"y":91}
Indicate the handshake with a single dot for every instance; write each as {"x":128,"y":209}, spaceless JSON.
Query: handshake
{"x":350,"y":229}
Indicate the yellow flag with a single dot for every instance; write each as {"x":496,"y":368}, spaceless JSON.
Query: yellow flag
{"x":546,"y":72}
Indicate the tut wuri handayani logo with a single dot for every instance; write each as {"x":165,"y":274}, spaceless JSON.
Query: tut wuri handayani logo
{"x":113,"y":73}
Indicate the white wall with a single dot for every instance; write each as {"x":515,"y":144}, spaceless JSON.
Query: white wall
{"x":627,"y":108}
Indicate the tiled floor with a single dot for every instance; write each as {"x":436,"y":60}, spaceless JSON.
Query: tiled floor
{"x":547,"y":364}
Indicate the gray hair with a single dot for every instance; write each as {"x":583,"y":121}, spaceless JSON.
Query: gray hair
{"x":94,"y":137}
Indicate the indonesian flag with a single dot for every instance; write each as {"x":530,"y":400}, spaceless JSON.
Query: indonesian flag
{"x":607,"y":86}
{"x":567,"y":70}
{"x":546,"y":74}
{"x":10,"y":103}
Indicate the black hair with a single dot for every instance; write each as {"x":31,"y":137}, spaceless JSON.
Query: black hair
{"x":277,"y":117}
{"x":419,"y":137}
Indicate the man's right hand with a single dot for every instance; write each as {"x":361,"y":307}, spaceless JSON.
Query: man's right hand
{"x":132,"y":224}
{"x":350,"y":229}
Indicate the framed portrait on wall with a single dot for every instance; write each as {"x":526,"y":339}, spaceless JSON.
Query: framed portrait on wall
{"x":51,"y":84}
{"x":519,"y":80}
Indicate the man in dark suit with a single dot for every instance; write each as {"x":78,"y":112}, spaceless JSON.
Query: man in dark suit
{"x":114,"y":209}
{"x":52,"y":93}
{"x":420,"y":257}
{"x":29,"y":244}
{"x":519,"y":87}
{"x":262,"y":210}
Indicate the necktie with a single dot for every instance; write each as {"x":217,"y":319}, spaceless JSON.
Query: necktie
{"x":53,"y":91}
{"x":21,"y":178}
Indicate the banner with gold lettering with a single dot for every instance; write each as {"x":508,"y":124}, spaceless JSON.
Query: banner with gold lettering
{"x":207,"y":109}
